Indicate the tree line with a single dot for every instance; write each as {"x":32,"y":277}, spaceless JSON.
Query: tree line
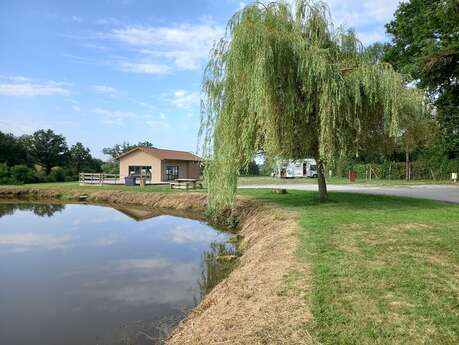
{"x":43,"y":156}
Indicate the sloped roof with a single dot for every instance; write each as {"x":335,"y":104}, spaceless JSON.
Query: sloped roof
{"x":164,"y":154}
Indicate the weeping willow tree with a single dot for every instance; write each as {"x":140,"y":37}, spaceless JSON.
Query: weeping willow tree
{"x":284,"y":82}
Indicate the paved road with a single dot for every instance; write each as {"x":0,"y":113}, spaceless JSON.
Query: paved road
{"x":434,"y":192}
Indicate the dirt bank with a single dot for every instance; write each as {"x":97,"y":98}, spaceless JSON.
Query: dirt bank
{"x":263,"y":301}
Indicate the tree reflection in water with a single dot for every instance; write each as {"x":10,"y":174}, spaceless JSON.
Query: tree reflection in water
{"x":217,"y":264}
{"x":41,"y":210}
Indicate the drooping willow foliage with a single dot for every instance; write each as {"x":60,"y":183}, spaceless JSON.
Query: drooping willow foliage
{"x":283,"y":81}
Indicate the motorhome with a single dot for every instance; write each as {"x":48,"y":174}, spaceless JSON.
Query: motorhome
{"x":297,"y":168}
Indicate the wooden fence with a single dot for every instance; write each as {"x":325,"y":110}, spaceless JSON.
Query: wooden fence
{"x":100,"y":179}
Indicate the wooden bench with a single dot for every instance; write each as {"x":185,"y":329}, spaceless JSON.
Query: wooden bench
{"x":186,"y":183}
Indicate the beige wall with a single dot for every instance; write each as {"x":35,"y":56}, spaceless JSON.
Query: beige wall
{"x":187,"y":169}
{"x":141,"y":158}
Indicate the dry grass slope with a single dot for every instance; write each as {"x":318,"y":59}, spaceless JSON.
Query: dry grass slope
{"x":254,"y":305}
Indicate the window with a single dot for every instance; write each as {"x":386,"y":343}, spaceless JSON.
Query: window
{"x":172,"y":172}
{"x":137,"y":170}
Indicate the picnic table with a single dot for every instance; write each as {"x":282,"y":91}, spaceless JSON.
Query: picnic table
{"x":186,"y":183}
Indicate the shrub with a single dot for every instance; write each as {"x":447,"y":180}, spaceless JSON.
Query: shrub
{"x":22,"y":174}
{"x":4,"y":174}
{"x":422,"y":169}
{"x":57,"y":174}
{"x":111,"y":167}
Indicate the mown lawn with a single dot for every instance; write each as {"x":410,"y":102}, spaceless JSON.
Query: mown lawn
{"x":264,"y":180}
{"x":385,"y":270}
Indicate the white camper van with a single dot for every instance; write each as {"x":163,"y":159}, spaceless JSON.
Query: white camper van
{"x":297,"y":168}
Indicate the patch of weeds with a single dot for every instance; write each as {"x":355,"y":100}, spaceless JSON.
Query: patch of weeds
{"x":217,"y":263}
{"x":226,"y":219}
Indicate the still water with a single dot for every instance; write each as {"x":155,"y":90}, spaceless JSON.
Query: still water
{"x":80,"y":274}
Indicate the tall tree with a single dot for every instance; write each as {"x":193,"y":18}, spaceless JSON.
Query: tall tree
{"x":80,"y":157}
{"x":145,"y":143}
{"x":416,"y":130}
{"x":425,"y":46}
{"x":282,"y":81}
{"x":12,"y":151}
{"x":119,"y":149}
{"x":47,"y":148}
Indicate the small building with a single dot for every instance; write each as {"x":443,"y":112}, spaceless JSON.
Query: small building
{"x":158,"y":165}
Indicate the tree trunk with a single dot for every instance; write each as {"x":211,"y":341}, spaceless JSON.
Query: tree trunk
{"x":407,"y":166}
{"x":323,"y":194}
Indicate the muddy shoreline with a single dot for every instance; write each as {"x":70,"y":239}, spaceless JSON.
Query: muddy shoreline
{"x":259,"y":302}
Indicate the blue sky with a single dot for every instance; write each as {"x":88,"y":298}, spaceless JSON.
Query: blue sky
{"x":107,"y":71}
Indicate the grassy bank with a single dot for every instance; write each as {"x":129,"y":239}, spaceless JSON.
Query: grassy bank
{"x":385,"y":269}
{"x":68,"y":186}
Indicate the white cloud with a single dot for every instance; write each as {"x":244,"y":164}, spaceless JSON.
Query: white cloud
{"x":187,"y":234}
{"x":186,"y":99}
{"x":105,"y":89}
{"x":77,"y":19}
{"x":184,"y":46}
{"x":95,"y":46}
{"x":34,"y":240}
{"x":14,"y":78}
{"x":28,"y":126}
{"x":145,"y":68}
{"x":49,"y":88}
{"x":366,"y":16}
{"x":108,"y":21}
{"x":76,"y":108}
{"x":157,"y":124}
{"x":114,"y":117}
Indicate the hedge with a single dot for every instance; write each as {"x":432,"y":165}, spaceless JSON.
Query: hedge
{"x":420,"y":170}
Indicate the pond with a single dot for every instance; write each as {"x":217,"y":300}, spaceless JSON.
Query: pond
{"x":80,"y":274}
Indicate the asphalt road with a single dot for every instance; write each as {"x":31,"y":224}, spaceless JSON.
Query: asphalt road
{"x":447,"y":193}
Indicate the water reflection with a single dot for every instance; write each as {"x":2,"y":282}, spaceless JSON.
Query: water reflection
{"x":81,"y":274}
{"x":42,"y":210}
{"x":217,"y":263}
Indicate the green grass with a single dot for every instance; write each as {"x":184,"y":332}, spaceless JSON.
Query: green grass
{"x":385,"y":270}
{"x":263,"y":180}
{"x":67,"y":186}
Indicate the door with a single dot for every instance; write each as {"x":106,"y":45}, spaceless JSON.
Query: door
{"x":172,"y":172}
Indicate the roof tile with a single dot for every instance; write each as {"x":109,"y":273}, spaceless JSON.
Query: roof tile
{"x":165,"y":154}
